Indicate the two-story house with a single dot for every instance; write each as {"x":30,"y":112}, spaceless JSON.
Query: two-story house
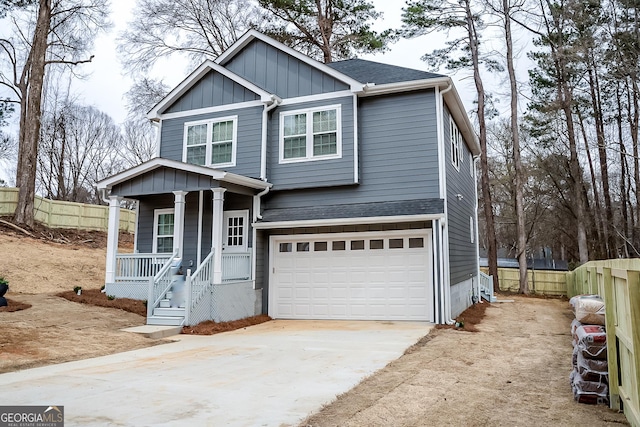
{"x":302,"y":190}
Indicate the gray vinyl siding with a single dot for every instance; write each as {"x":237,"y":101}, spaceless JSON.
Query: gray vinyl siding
{"x":316,"y":173}
{"x":163,"y":180}
{"x":148,"y":204}
{"x":249,"y":138}
{"x":398,"y":155}
{"x":212,"y":90}
{"x":463,"y":253}
{"x":190,"y":239}
{"x":280,"y":73}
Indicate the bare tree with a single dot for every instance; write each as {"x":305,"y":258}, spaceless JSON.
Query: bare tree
{"x":200,"y":29}
{"x":62,"y":35}
{"x":80,"y":146}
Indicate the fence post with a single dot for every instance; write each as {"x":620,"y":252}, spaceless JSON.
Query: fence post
{"x":612,"y":342}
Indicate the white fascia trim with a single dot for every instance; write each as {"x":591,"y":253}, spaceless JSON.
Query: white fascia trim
{"x":212,"y":110}
{"x":347,"y":221}
{"x":194,"y":77}
{"x":456,"y":107}
{"x":158,"y":126}
{"x":318,"y":97}
{"x":250,"y":35}
{"x":188,"y":167}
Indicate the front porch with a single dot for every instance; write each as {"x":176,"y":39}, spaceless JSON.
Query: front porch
{"x":194,"y":256}
{"x":188,"y":297}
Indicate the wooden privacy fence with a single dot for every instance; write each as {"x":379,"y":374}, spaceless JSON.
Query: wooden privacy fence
{"x":618,"y":282}
{"x":541,"y":282}
{"x":59,"y":214}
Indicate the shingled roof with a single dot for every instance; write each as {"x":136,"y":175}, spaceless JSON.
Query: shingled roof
{"x":374,"y":72}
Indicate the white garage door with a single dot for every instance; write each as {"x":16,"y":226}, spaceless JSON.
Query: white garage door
{"x":367,"y":276}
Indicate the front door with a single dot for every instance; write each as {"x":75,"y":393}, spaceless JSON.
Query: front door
{"x":235,"y":231}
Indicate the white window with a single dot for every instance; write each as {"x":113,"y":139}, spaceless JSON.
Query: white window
{"x":163,"y":221}
{"x":311,"y":134}
{"x":456,"y":144}
{"x":211,"y":142}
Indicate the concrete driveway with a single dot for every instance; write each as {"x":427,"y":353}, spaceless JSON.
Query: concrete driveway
{"x":272,"y":374}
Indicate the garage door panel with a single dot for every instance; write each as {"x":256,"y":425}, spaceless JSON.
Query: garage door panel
{"x":354,"y":283}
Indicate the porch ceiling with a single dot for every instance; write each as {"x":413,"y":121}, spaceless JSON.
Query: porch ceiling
{"x":158,"y":176}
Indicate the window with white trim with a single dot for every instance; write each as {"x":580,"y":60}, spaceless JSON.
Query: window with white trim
{"x":163,"y":222}
{"x":456,"y":144}
{"x":311,"y":134}
{"x":211,"y":142}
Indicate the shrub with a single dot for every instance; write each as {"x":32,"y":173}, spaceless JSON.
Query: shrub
{"x":111,"y":297}
{"x":76,"y":289}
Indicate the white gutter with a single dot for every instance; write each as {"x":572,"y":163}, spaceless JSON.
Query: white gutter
{"x":263,"y":148}
{"x":444,"y":285}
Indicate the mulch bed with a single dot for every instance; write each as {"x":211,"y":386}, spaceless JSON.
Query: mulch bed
{"x":469,"y":318}
{"x":96,"y":297}
{"x":13,"y":305}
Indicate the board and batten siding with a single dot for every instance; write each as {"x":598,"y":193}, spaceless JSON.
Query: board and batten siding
{"x":146,"y":208}
{"x":316,"y":173}
{"x":212,"y":90}
{"x":249,"y":138}
{"x":280,"y":73}
{"x":463,"y":253}
{"x":398,"y":155}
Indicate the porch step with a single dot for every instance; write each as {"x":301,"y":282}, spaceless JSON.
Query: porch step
{"x":171,"y":311}
{"x":165,"y":320}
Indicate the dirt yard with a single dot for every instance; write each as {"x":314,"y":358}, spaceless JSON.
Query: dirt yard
{"x":514,"y":372}
{"x":55,"y":330}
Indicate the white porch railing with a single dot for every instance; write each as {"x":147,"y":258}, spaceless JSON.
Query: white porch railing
{"x":198,"y":284}
{"x":139,"y":267}
{"x":486,"y":287}
{"x":160,"y":284}
{"x":236,"y":266}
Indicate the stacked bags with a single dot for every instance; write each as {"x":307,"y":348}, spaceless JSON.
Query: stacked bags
{"x":590,"y":375}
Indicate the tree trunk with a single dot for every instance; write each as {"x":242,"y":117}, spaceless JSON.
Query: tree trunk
{"x":484,"y":167}
{"x":517,"y":163}
{"x":30,"y":116}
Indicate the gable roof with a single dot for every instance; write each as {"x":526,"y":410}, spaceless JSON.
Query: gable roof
{"x":159,"y":162}
{"x":377,"y":73}
{"x":355,"y":85}
{"x":198,"y":74}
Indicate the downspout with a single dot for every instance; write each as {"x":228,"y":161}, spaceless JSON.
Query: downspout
{"x":445,"y":288}
{"x":275,"y":101}
{"x":254,"y":234}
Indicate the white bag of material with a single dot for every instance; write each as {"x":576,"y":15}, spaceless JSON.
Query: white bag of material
{"x":591,"y":392}
{"x":592,"y":369}
{"x":590,"y":310}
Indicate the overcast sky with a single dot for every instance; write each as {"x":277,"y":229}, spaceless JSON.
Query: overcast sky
{"x":107,"y":84}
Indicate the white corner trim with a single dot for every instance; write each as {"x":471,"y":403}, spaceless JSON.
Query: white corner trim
{"x":356,"y":158}
{"x":442,"y":153}
{"x":250,"y":35}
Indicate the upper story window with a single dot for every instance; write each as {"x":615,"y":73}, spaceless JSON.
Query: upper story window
{"x":311,"y":134}
{"x":211,"y":142}
{"x":456,"y":144}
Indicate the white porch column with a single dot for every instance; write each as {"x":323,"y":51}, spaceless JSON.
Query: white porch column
{"x":216,"y":238}
{"x":112,"y":238}
{"x":178,"y":221}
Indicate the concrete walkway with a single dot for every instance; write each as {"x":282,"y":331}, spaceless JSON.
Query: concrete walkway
{"x":272,"y":374}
